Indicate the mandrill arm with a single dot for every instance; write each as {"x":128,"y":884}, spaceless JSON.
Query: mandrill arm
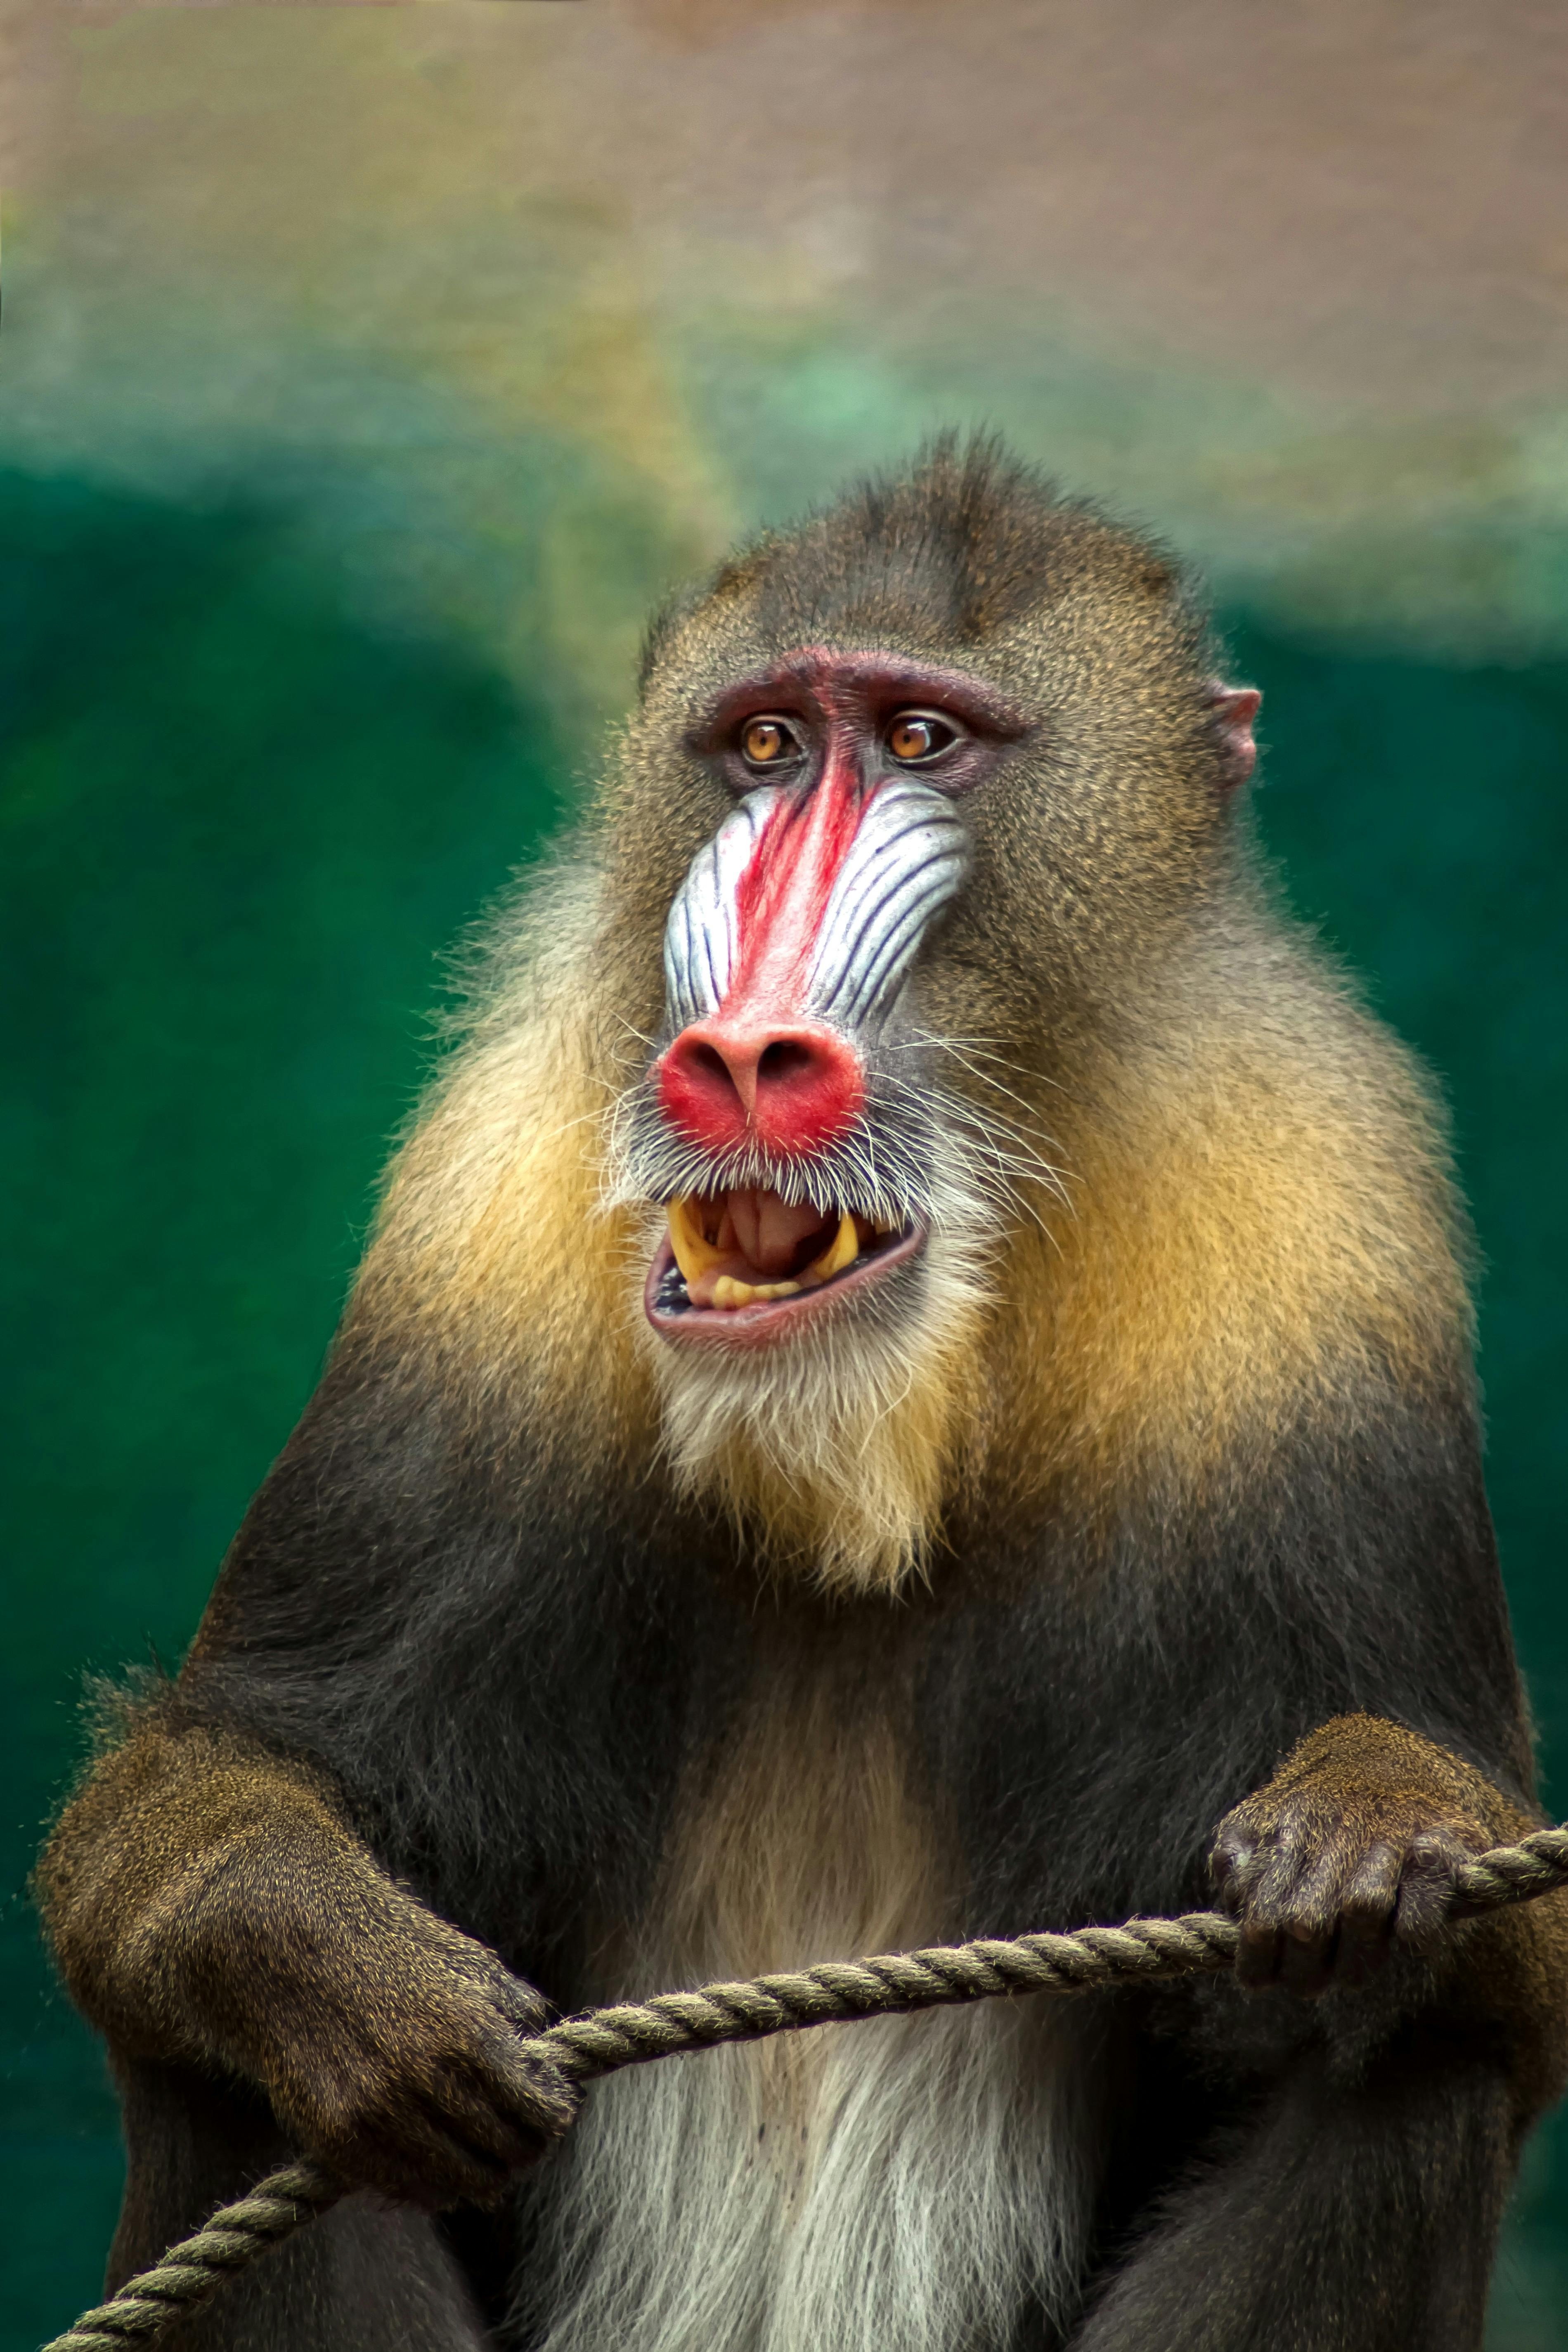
{"x":209,"y":1905}
{"x":1360,"y":2202}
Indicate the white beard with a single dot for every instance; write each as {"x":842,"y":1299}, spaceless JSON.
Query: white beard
{"x":832,"y":1451}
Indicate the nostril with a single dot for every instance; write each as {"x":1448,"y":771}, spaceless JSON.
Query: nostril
{"x":785,"y":1058}
{"x":807,"y":1090}
{"x":709,"y":1062}
{"x":699,"y":1070}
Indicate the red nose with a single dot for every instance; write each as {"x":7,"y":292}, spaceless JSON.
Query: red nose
{"x":791,"y":1088}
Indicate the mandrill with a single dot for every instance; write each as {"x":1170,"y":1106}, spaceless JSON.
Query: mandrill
{"x":913,"y":1381}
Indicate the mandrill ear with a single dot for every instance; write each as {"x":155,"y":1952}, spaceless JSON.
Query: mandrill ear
{"x":1234,"y":708}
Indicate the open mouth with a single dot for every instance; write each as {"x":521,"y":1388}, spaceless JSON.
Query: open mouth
{"x":744,"y":1264}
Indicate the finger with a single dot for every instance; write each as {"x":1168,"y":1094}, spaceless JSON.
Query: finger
{"x":519,"y":2004}
{"x":475,"y":2111}
{"x":1257,"y":1957}
{"x":1426,"y":1889}
{"x":1366,"y":1914}
{"x":488,"y":2138}
{"x":1230,"y":1855}
{"x":438,"y":2150}
{"x":521,"y":2077}
{"x":1308,"y":1917}
{"x":515,"y":2075}
{"x":1270,"y":1899}
{"x":1306,"y":1964}
{"x":446,"y":2117}
{"x":1309,"y":1910}
{"x":533,"y":2097}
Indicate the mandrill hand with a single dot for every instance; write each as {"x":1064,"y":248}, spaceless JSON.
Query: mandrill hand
{"x":391,"y":2044}
{"x":1347,"y":1854}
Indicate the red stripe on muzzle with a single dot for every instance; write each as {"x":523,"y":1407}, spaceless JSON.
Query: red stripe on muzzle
{"x":759,"y":1071}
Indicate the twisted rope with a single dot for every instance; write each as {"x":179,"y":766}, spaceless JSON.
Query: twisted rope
{"x":837,"y":1993}
{"x":191,"y":2274}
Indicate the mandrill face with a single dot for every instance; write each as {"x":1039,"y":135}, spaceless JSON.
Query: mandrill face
{"x":798,"y":1166}
{"x":916,"y":802}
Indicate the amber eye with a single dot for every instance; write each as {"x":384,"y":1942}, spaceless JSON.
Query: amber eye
{"x":916,"y":735}
{"x":765,"y":741}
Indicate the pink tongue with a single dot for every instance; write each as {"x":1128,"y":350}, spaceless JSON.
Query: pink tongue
{"x":768,"y":1232}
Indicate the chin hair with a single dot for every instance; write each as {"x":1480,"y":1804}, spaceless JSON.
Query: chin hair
{"x":831,"y":1452}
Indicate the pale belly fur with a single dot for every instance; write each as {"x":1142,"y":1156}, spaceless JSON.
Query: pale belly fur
{"x":917,"y":2184}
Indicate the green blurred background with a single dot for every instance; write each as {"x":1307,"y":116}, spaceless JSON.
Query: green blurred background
{"x":365,"y":375}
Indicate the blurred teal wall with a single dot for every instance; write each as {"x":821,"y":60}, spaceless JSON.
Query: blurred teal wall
{"x":239,"y":827}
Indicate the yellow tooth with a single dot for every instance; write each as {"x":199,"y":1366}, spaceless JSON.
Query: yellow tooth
{"x":693,"y":1254}
{"x":841,"y":1251}
{"x":728,"y":1292}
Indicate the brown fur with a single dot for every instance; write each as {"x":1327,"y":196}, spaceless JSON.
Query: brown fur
{"x":1175,"y":1417}
{"x":186,"y":1846}
{"x":1294,"y":1860}
{"x":496,"y":1250}
{"x":1249,"y":1227}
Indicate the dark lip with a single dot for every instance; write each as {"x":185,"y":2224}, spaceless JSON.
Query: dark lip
{"x":774,"y":1320}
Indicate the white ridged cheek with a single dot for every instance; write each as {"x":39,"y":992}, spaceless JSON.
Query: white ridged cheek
{"x":905,"y":862}
{"x":702,"y":937}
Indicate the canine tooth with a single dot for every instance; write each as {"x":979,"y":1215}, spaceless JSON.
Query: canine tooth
{"x":728,"y":1292}
{"x":694,"y":1253}
{"x":841,"y":1251}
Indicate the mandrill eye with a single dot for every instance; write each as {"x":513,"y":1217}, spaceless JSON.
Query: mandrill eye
{"x":765,"y":742}
{"x":917,"y":735}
